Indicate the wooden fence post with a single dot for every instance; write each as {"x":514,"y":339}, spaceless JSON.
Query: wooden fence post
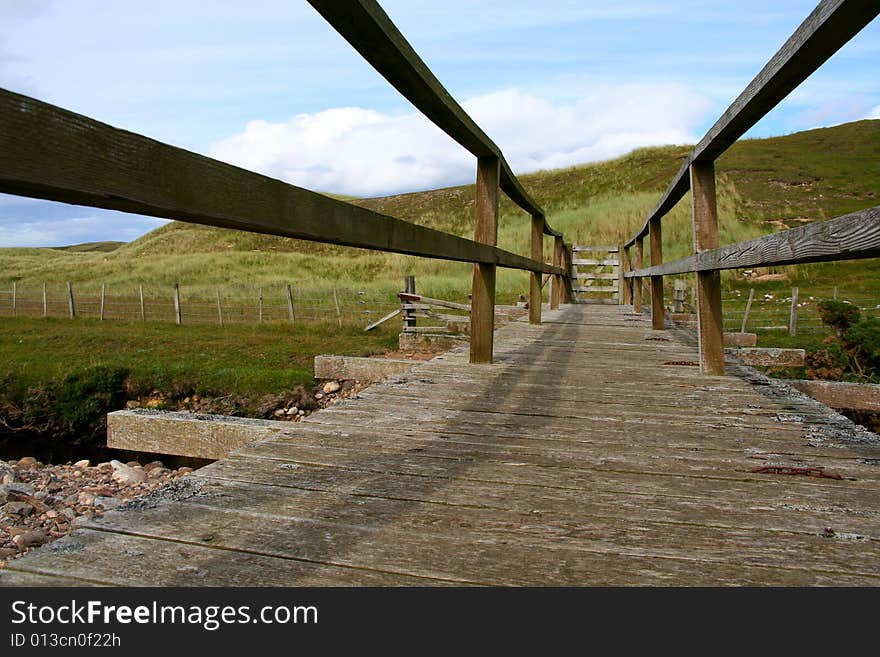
{"x":260,"y":309}
{"x":338,"y":312}
{"x":792,"y":322}
{"x":290,"y":304}
{"x":537,"y":253}
{"x":70,"y":305}
{"x":483,"y":287}
{"x":143,"y":308}
{"x":567,"y":292}
{"x":101,"y":311}
{"x":45,"y":302}
{"x":14,"y":295}
{"x":409,"y":316}
{"x":556,"y":281}
{"x":625,"y":294}
{"x":220,"y":308}
{"x":705,"y":223}
{"x":748,"y":309}
{"x":657,"y":310}
{"x":639,"y":283}
{"x":835,"y":293}
{"x":178,"y":316}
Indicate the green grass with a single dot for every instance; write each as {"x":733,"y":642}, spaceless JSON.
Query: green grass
{"x":247,"y":359}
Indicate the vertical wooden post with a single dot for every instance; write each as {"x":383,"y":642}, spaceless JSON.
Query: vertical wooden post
{"x":622,"y":264}
{"x":338,"y":312}
{"x":483,"y":287}
{"x":792,"y":322}
{"x":556,"y":281}
{"x":835,"y":293}
{"x":178,"y":317}
{"x":537,"y":253}
{"x":290,"y":304}
{"x":657,"y":310}
{"x":14,"y":295}
{"x":143,"y":307}
{"x":409,"y":316}
{"x":705,"y":221}
{"x":70,"y":305}
{"x":45,"y":302}
{"x":101,"y":311}
{"x":260,"y":307}
{"x":220,"y":307}
{"x":748,"y":309}
{"x":638,"y":283}
{"x":567,"y":292}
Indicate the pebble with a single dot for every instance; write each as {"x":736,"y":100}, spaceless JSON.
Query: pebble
{"x":107,"y":503}
{"x":127,"y":475}
{"x":28,"y":539}
{"x":19,"y":508}
{"x":85,"y":463}
{"x":184,"y":470}
{"x":331,"y":386}
{"x":27,"y":462}
{"x":279,"y":412}
{"x":152,"y":465}
{"x":293,"y":410}
{"x":319,"y":395}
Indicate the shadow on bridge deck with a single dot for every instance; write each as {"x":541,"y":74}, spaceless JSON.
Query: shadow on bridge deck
{"x":589,"y":454}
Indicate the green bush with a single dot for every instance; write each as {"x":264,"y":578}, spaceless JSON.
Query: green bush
{"x":862,"y":341}
{"x":839,"y":315}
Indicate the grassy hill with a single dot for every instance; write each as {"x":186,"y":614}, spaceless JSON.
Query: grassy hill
{"x":764,"y":185}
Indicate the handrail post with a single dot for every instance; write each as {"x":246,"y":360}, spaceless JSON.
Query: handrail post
{"x":556,"y":281}
{"x":657,"y":310}
{"x":566,"y":279}
{"x":705,"y":223}
{"x":485,"y":231}
{"x":535,"y":276}
{"x":639,"y":283}
{"x":626,"y":266}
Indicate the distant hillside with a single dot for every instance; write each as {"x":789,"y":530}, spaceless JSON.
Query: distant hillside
{"x":90,"y":247}
{"x":764,"y":185}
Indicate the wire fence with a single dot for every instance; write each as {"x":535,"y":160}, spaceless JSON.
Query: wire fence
{"x":175,"y":304}
{"x":795,"y":311}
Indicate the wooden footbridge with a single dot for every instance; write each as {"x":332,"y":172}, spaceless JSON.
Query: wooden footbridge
{"x":589,"y":445}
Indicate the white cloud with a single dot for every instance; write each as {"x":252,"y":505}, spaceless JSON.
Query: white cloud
{"x":95,"y":226}
{"x":364,"y":152}
{"x":874,"y":113}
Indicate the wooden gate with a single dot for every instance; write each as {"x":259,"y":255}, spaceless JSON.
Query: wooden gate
{"x":595,"y":272}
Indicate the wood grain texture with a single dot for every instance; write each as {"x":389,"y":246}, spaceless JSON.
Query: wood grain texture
{"x":82,"y":161}
{"x":828,"y":27}
{"x":639,"y":283}
{"x":517,"y":473}
{"x":536,"y":247}
{"x":486,"y":232}
{"x":658,"y":311}
{"x":849,"y":237}
{"x":704,"y":213}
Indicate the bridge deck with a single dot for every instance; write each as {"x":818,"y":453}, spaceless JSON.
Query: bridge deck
{"x":583,"y":457}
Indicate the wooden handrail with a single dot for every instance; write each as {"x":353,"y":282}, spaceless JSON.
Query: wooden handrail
{"x":849,"y":237}
{"x":830,"y":25}
{"x":369,"y":30}
{"x":51,"y":153}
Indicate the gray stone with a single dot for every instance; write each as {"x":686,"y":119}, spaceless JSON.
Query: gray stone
{"x":17,"y":489}
{"x":330,"y":387}
{"x":107,"y":503}
{"x":19,"y":508}
{"x":126,"y":475}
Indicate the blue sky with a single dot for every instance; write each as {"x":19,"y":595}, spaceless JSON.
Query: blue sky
{"x":268,"y":85}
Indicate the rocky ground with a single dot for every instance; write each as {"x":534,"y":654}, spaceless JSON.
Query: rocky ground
{"x":39,"y":503}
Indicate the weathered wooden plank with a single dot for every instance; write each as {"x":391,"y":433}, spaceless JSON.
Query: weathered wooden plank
{"x":595,"y":288}
{"x":596,"y":277}
{"x":419,"y":541}
{"x":586,"y":248}
{"x":849,"y":237}
{"x":126,"y":560}
{"x":85,"y":162}
{"x":828,"y":27}
{"x":593,"y":262}
{"x":372,"y":33}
